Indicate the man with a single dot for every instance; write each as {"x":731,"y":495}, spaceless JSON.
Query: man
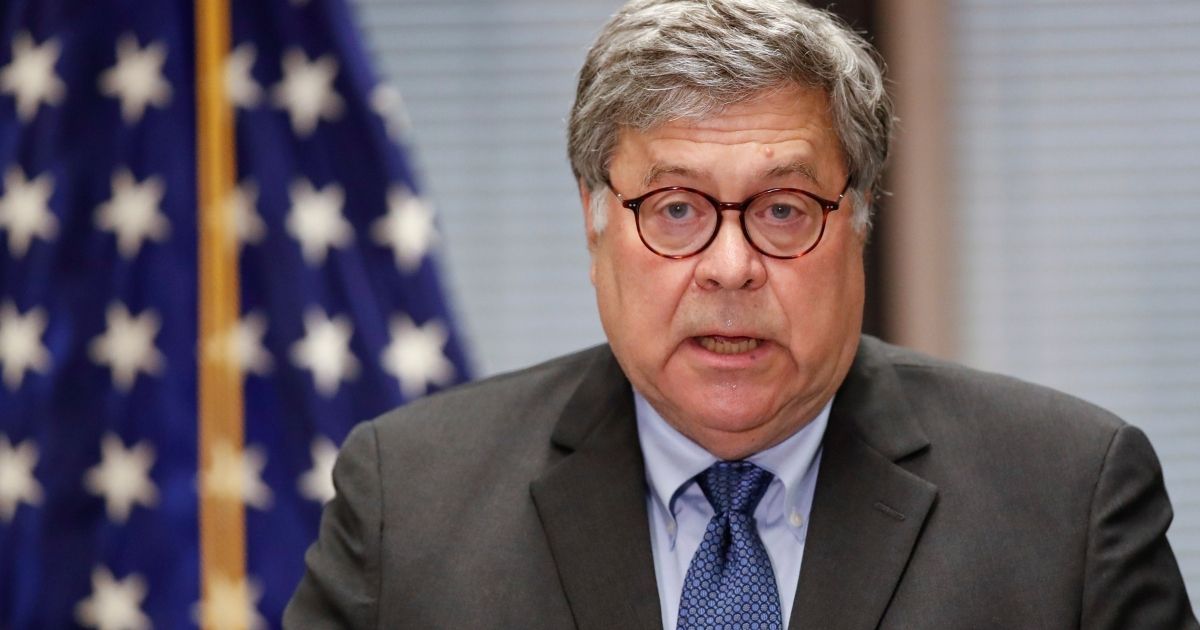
{"x":737,"y":455}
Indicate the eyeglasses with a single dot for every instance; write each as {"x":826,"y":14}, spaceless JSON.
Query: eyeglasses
{"x":678,"y":222}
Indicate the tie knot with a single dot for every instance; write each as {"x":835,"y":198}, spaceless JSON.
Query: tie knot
{"x":734,"y":486}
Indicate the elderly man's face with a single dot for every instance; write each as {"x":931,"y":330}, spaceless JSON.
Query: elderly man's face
{"x":679,"y":327}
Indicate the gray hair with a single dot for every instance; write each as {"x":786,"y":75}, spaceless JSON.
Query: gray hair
{"x":662,"y":60}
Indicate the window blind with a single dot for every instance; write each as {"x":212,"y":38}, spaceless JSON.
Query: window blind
{"x":488,"y":85}
{"x":1077,"y":143}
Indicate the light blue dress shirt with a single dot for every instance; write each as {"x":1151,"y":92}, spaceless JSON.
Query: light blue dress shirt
{"x":679,"y":513}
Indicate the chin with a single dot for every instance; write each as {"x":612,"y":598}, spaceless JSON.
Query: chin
{"x":729,"y":409}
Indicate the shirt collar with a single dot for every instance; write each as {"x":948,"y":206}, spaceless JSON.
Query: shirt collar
{"x":672,"y":459}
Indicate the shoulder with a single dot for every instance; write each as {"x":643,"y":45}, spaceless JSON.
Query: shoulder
{"x":1025,"y":476}
{"x":997,"y":445}
{"x":994,"y":413}
{"x":514,"y":408}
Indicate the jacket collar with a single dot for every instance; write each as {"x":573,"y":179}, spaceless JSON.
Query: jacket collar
{"x":868,"y":511}
{"x":592,"y":504}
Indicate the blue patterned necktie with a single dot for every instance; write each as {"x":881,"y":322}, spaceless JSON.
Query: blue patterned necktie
{"x":730,"y":584}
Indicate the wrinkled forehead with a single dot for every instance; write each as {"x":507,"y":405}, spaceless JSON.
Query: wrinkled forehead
{"x":775,"y":134}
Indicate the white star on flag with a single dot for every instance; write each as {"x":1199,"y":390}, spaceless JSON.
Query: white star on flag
{"x":325,"y":350}
{"x":127,"y":345}
{"x":237,"y":476}
{"x":306,"y":91}
{"x":230,"y":605}
{"x":17,"y":484}
{"x":415,"y":355}
{"x":248,"y":224}
{"x":123,"y":477}
{"x":21,"y":346}
{"x":317,"y":483}
{"x":407,"y":228}
{"x":241,"y":88}
{"x":132,"y":213}
{"x":114,"y":604}
{"x":136,"y":79}
{"x":242,"y":346}
{"x":388,"y":104}
{"x":30,"y":76}
{"x":316,"y":220}
{"x":25,"y":210}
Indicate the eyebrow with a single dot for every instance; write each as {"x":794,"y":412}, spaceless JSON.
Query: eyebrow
{"x":660,"y":170}
{"x":798,"y":167}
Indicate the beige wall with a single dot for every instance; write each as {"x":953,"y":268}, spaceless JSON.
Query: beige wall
{"x":919,"y":283}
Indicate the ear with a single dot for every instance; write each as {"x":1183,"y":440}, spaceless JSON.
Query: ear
{"x":868,"y":198}
{"x":593,"y":238}
{"x":585,"y":201}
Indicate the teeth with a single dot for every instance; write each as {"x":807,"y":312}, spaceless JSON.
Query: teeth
{"x":722,"y":346}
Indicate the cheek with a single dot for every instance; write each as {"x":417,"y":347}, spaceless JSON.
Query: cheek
{"x":822,"y":303}
{"x":637,"y":292}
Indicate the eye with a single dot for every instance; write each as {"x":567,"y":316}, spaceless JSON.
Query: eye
{"x":782,"y":212}
{"x":783,"y":209}
{"x":678,"y":210}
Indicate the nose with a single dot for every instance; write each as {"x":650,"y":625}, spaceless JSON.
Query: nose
{"x":730,"y":262}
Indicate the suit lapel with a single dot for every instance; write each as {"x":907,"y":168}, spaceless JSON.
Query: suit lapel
{"x":592,"y":505}
{"x":867,"y":511}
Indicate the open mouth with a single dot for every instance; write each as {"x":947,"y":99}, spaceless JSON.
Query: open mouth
{"x":728,"y":345}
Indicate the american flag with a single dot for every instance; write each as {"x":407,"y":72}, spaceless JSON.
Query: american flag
{"x":340,"y":314}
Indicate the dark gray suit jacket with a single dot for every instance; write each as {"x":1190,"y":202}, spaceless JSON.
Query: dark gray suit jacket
{"x":946,"y":498}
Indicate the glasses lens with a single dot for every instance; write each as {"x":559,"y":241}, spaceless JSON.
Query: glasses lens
{"x":784,"y":223}
{"x":676,"y":222}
